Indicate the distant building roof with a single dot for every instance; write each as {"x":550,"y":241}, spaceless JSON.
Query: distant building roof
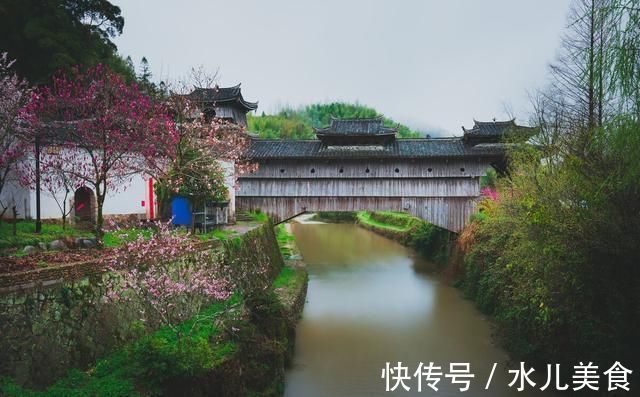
{"x":356,"y":130}
{"x":221,"y":95}
{"x":402,"y":148}
{"x":356,"y":126}
{"x":493,"y":131}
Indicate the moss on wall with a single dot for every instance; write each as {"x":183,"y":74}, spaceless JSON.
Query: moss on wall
{"x":67,"y":326}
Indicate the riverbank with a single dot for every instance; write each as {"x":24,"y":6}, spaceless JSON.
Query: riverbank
{"x":241,"y":349}
{"x":551,"y":301}
{"x":430,"y":241}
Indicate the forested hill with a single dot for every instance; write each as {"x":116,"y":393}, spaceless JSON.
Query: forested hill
{"x":299,"y":123}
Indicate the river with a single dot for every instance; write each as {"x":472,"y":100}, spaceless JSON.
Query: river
{"x":372,"y":301}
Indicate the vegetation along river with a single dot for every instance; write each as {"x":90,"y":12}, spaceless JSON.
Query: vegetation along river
{"x":372,"y":301}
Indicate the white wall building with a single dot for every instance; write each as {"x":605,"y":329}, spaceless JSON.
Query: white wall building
{"x":135,"y":197}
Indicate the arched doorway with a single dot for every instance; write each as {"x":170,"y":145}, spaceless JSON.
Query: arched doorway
{"x":84,"y":206}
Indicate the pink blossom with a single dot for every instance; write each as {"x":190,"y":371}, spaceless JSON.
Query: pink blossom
{"x":168,"y":272}
{"x":489,"y":193}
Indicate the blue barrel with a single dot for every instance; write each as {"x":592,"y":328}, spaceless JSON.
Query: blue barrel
{"x":181,"y":211}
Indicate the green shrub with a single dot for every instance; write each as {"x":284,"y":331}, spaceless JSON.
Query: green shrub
{"x":255,"y":216}
{"x":162,"y":358}
{"x":556,"y":260}
{"x":431,"y":241}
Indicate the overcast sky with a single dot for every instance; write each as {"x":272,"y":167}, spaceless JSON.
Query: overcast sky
{"x":434,"y":65}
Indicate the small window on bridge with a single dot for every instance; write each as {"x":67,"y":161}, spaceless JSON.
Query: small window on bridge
{"x":429,"y":169}
{"x":462,"y":169}
{"x":367,"y":170}
{"x":313,"y":170}
{"x":282,"y":170}
{"x":341,"y":170}
{"x":397,"y":170}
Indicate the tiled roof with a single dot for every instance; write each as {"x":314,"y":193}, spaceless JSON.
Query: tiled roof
{"x":400,"y":148}
{"x":357,"y":126}
{"x":492,"y":128}
{"x":220,"y":95}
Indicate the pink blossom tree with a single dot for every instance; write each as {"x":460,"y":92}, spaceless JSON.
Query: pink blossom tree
{"x":57,"y":179}
{"x":104,"y":128}
{"x":196,"y":170}
{"x":169,"y":274}
{"x":16,"y":121}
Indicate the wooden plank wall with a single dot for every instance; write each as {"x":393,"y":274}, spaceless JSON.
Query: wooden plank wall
{"x":360,"y":187}
{"x":441,"y":192}
{"x":377,"y":169}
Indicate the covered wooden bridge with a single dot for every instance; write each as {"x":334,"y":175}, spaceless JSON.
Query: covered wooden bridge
{"x":358,"y":164}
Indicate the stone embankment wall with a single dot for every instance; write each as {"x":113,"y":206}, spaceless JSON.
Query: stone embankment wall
{"x":55,"y":319}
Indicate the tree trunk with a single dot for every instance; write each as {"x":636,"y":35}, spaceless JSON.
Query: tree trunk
{"x":15,"y":220}
{"x":64,"y":214}
{"x":99,"y":219}
{"x":100,"y":196}
{"x":591,"y":72}
{"x":4,"y":209}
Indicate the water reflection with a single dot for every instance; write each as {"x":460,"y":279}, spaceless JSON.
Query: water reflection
{"x":370,"y":301}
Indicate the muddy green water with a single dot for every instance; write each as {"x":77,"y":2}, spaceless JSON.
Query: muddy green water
{"x":372,"y":301}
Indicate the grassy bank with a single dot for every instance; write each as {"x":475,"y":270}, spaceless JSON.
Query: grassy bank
{"x":26,"y":233}
{"x":335,"y":217}
{"x":388,"y":220}
{"x":431,"y":241}
{"x":286,"y":241}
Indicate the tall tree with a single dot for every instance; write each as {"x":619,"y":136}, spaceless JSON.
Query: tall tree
{"x":145,"y":83}
{"x":106,"y":130}
{"x":625,"y":27}
{"x":595,"y":76}
{"x":581,"y":72}
{"x":16,"y":120}
{"x":48,"y":35}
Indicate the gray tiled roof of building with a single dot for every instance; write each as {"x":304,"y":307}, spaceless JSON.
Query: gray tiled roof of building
{"x":220,"y":95}
{"x":492,"y":128}
{"x":356,"y":126}
{"x":400,"y":148}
